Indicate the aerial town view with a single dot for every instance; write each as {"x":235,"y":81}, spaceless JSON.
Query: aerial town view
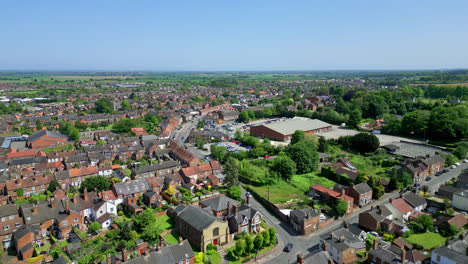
{"x":216,"y":132}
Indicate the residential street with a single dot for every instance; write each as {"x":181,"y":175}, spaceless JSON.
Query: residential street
{"x":437,"y":181}
{"x":303,"y":244}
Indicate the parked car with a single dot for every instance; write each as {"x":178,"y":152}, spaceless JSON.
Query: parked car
{"x":288,"y":247}
{"x":445,"y":170}
{"x":465,"y":161}
{"x":374,"y":233}
{"x":322,"y":217}
{"x":439,"y":173}
{"x":428,"y":178}
{"x":457,"y":164}
{"x":453,"y":166}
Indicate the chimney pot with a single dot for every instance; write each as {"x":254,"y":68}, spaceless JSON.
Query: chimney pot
{"x":324,"y":246}
{"x":403,"y":256}
{"x":300,"y":258}
{"x":124,"y":255}
{"x":374,"y":245}
{"x":228,"y":209}
{"x":180,"y":240}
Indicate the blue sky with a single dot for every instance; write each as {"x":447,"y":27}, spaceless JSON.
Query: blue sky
{"x":233,"y":35}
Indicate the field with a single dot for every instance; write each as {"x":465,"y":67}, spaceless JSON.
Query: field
{"x":165,"y":222}
{"x":302,"y":182}
{"x":280,"y":192}
{"x":427,"y":240}
{"x":364,"y":165}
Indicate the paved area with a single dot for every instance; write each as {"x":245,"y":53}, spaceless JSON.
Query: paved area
{"x":438,"y":181}
{"x":337,"y":132}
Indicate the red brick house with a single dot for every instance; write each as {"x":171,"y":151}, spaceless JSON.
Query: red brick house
{"x":331,"y":196}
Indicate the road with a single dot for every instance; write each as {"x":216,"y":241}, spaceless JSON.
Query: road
{"x":437,"y":181}
{"x":182,"y":134}
{"x":304,"y":244}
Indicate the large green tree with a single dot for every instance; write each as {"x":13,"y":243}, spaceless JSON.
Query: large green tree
{"x":355,"y":118}
{"x":231,"y":170}
{"x":103,"y":105}
{"x":305,"y":155}
{"x":284,"y":166}
{"x":98,"y":183}
{"x":365,"y":142}
{"x":297,"y":136}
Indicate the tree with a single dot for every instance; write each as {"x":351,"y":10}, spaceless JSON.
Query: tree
{"x":103,"y":105}
{"x":235,"y":192}
{"x":231,"y":170}
{"x":251,"y":114}
{"x":249,"y":245}
{"x":199,"y":258}
{"x":365,"y":142}
{"x":54,"y":184}
{"x":341,"y":207}
{"x":272,"y":232}
{"x":426,"y":222}
{"x":238,"y":134}
{"x":125,"y":104}
{"x":244,"y":117}
{"x":218,"y":152}
{"x":39,"y":125}
{"x":95,"y":226}
{"x":284,"y":166}
{"x":461,"y":150}
{"x":304,"y":155}
{"x":98,"y":183}
{"x":124,"y":125}
{"x":240,"y":247}
{"x":297,"y":136}
{"x":100,"y":143}
{"x":200,"y":124}
{"x":355,"y":118}
{"x":170,"y":190}
{"x":258,"y":242}
{"x":266,"y":238}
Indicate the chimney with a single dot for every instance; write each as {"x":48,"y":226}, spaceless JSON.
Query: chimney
{"x":403,"y":256}
{"x":374,"y":246}
{"x":34,"y":209}
{"x":247,"y":198}
{"x":124,"y":255}
{"x":345,"y":224}
{"x":108,"y":258}
{"x":180,"y":240}
{"x":324,"y":246}
{"x":235,"y":210}
{"x":308,"y":215}
{"x":52,"y":203}
{"x":351,"y":185}
{"x":75,"y":199}
{"x":228,"y":208}
{"x":67,"y":207}
{"x":342,"y":238}
{"x":85,"y":194}
{"x":390,"y":200}
{"x":300,"y":258}
{"x":342,"y":192}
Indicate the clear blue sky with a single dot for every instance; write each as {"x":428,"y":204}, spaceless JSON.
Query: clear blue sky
{"x":233,"y":35}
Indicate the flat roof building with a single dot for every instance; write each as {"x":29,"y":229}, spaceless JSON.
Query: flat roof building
{"x":283,"y":130}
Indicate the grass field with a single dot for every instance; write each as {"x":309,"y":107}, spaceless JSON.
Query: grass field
{"x":165,"y":222}
{"x":302,"y":182}
{"x":427,"y":240}
{"x":364,"y":165}
{"x":280,"y":192}
{"x":172,"y":239}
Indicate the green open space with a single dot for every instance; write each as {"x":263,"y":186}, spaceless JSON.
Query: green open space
{"x":165,"y":222}
{"x":427,"y":240}
{"x":280,"y":192}
{"x":302,"y":182}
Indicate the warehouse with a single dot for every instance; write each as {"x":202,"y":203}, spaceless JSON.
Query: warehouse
{"x":283,"y":131}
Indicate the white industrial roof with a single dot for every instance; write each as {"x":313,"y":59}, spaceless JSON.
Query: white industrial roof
{"x":290,"y":126}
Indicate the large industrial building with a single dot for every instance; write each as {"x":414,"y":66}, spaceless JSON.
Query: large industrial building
{"x":282,"y":131}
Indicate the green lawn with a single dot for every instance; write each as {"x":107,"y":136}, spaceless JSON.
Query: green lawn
{"x":364,"y":165}
{"x":165,"y":222}
{"x":280,"y":192}
{"x":427,"y":240}
{"x":215,"y":258}
{"x":172,"y":239}
{"x":302,"y":182}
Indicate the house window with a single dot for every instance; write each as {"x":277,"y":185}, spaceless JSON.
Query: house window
{"x":42,"y":186}
{"x":17,"y":224}
{"x":12,"y":217}
{"x":3,"y":219}
{"x":112,"y":209}
{"x":65,"y":222}
{"x":216,"y":232}
{"x":438,"y":257}
{"x":7,"y":227}
{"x":187,"y":261}
{"x":34,"y":188}
{"x":76,"y":220}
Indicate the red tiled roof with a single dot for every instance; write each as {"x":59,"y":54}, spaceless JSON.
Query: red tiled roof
{"x":402,"y":206}
{"x":459,"y":221}
{"x":21,"y":154}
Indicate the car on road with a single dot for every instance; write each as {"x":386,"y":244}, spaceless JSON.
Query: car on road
{"x":288,"y":247}
{"x":403,"y":191}
{"x":445,"y":170}
{"x":465,"y":161}
{"x":417,"y":185}
{"x":453,"y":166}
{"x":428,"y":178}
{"x":439,"y":173}
{"x":457,"y":164}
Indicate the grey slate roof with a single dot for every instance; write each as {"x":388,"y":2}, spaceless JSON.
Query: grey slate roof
{"x":301,"y":214}
{"x":362,"y":188}
{"x":155,"y":167}
{"x":42,"y":133}
{"x":385,"y":255}
{"x":135,"y":186}
{"x":170,"y":254}
{"x":196,"y":217}
{"x":414,"y":199}
{"x":7,"y":210}
{"x":219,"y":203}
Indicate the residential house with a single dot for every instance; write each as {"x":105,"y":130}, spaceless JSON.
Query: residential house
{"x":183,"y":155}
{"x":10,"y":222}
{"x":401,"y":205}
{"x":157,"y":169}
{"x":25,"y":238}
{"x":453,"y":253}
{"x":331,"y":196}
{"x":304,"y":221}
{"x":244,"y":219}
{"x":220,"y":205}
{"x":344,"y":166}
{"x":36,"y":184}
{"x":460,"y":200}
{"x":415,"y":201}
{"x":421,"y":167}
{"x":361,"y":193}
{"x":373,"y":218}
{"x":179,"y":253}
{"x":343,"y":245}
{"x":134,"y":188}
